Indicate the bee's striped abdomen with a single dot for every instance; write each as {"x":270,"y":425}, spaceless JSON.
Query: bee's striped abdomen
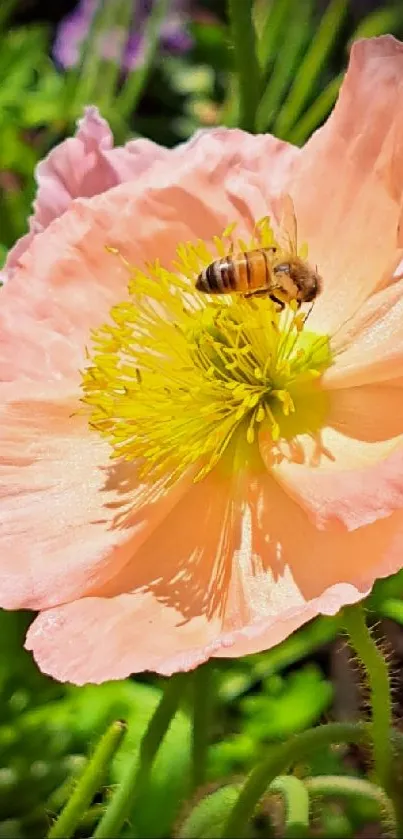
{"x":218,"y":278}
{"x":241,"y":273}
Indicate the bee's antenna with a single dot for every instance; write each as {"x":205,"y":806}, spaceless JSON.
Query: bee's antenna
{"x":310,"y":310}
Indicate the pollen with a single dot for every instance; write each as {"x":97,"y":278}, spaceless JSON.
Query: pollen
{"x":176,"y":374}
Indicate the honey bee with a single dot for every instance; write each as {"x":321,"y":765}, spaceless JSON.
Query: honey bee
{"x":277,"y":272}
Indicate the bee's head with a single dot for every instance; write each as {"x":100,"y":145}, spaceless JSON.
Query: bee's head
{"x":310,"y":285}
{"x":306,"y":280}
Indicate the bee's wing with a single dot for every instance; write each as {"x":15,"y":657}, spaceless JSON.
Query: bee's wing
{"x":288,"y":226}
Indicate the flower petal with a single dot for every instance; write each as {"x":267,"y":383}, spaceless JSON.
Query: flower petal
{"x":235,"y":150}
{"x":266,"y":634}
{"x":351,"y":473}
{"x":70,"y":519}
{"x":236,"y":576}
{"x":369,"y":348}
{"x":82,"y":166}
{"x":164,"y":606}
{"x":348,"y":185}
{"x":98,"y":639}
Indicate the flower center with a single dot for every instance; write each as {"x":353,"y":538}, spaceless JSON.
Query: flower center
{"x":178,"y":373}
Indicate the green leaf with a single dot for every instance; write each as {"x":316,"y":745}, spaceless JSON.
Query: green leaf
{"x":41,"y":104}
{"x":304,"y":697}
{"x":298,"y":34}
{"x":236,"y":681}
{"x":243,"y":38}
{"x":311,"y":66}
{"x":3,"y":254}
{"x":317,"y":113}
{"x":380,"y":22}
{"x":390,"y":587}
{"x":22,"y":56}
{"x":274,"y":30}
{"x":391,"y":608}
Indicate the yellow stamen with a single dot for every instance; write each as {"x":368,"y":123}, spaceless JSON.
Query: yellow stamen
{"x":176,"y":373}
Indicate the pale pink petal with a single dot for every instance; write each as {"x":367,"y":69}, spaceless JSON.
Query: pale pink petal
{"x":350,"y":472}
{"x":224,"y":151}
{"x":83,"y":166}
{"x":98,"y":639}
{"x":94,"y":639}
{"x":88,"y":165}
{"x":369,"y":347}
{"x":70,"y":519}
{"x":235,"y":575}
{"x":349,"y":180}
{"x":179,"y":578}
{"x":264,"y":634}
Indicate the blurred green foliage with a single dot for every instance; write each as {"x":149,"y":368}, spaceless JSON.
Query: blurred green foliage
{"x":47,"y":730}
{"x":302,"y":53}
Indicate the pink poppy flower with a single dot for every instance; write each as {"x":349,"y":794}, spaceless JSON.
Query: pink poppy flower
{"x":186,"y":476}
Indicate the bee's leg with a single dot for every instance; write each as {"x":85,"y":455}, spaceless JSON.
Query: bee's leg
{"x":261,"y":292}
{"x":279,"y":304}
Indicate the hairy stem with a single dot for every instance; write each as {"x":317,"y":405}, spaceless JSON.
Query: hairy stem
{"x":295,"y":750}
{"x":89,"y":783}
{"x":296,"y":805}
{"x":376,"y":668}
{"x":341,"y":786}
{"x":202,"y":708}
{"x":138,"y":770}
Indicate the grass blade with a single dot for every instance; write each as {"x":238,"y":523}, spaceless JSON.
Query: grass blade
{"x":311,"y":66}
{"x":379,"y":22}
{"x":298,"y":33}
{"x":245,"y":61}
{"x":317,"y":113}
{"x":275,"y":27}
{"x":133,"y":87}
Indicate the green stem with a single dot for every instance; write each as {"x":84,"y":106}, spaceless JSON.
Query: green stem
{"x":111,"y":69}
{"x":202,"y":712}
{"x":336,"y":785}
{"x":138,"y":770}
{"x":89,"y":783}
{"x":81,"y":81}
{"x":298,"y":748}
{"x":373,"y":661}
{"x":296,"y":805}
{"x":57,"y":799}
{"x":246,"y":63}
{"x":127,"y":100}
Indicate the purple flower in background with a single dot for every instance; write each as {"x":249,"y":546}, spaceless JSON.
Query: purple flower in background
{"x":118,"y":44}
